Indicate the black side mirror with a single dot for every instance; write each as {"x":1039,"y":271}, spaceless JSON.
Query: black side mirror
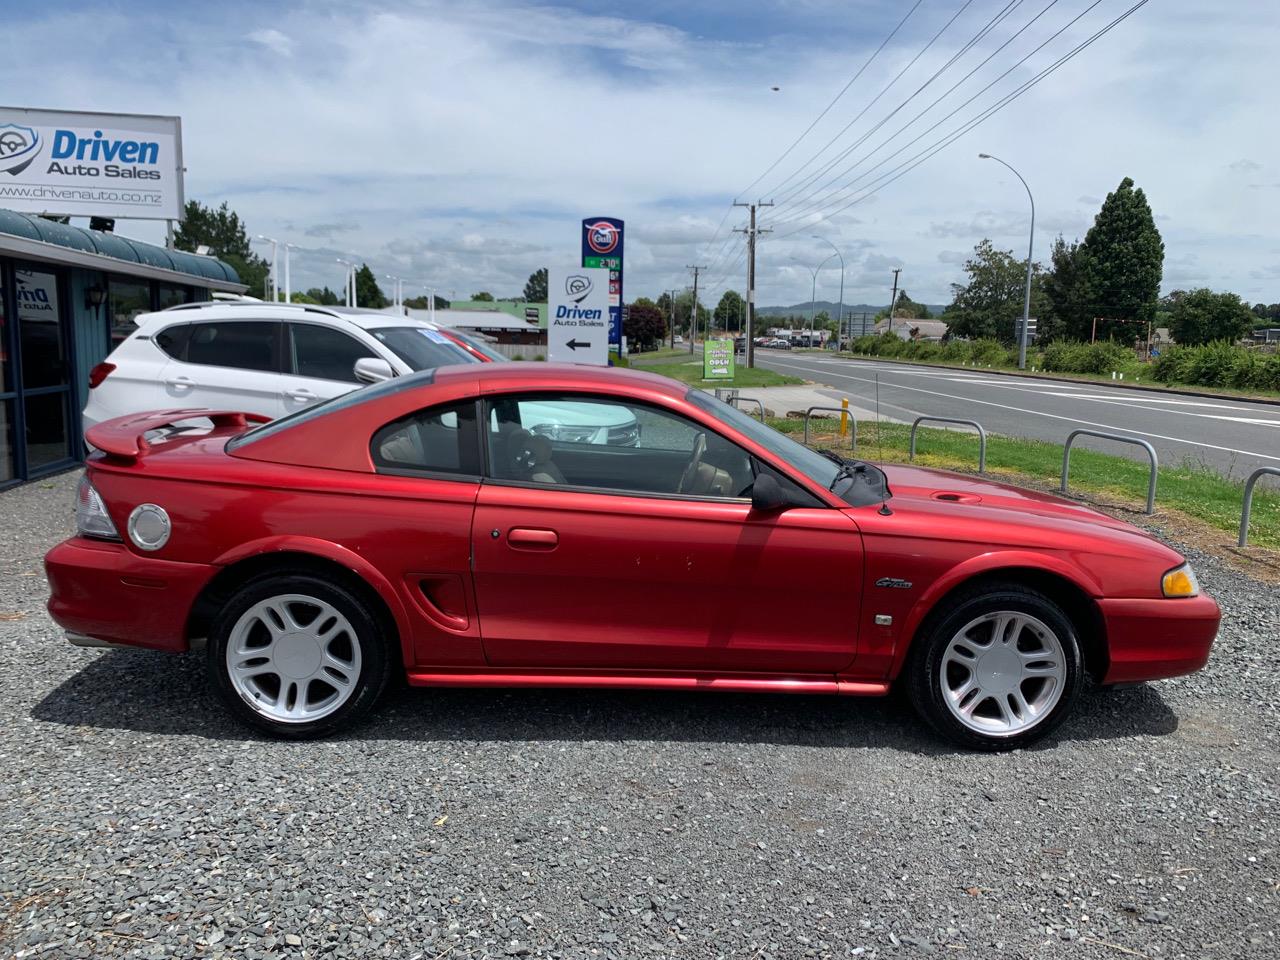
{"x":767,"y":495}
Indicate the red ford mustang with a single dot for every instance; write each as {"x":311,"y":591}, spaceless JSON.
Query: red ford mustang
{"x":446,"y":524}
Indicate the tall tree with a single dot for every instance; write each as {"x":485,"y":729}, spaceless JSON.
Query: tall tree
{"x":646,"y":324}
{"x":990,"y":304}
{"x":731,"y":311}
{"x":535,"y":288}
{"x":484,"y":296}
{"x":223,"y":232}
{"x":323,"y":295}
{"x":1067,"y":288}
{"x":1124,"y":257}
{"x":1202,"y":316}
{"x":368,"y":293}
{"x":908,"y":308}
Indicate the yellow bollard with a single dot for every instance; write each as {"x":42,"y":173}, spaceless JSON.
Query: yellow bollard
{"x":844,"y":416}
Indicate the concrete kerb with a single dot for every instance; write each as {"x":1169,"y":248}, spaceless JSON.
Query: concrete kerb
{"x":1047,"y":375}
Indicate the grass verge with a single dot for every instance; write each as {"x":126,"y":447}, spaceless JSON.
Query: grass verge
{"x":691,"y":373}
{"x":1201,"y":494}
{"x":1143,"y":379}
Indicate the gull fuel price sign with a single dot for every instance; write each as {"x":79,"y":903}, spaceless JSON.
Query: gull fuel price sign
{"x":602,"y":250}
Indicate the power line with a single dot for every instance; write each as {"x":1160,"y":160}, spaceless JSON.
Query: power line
{"x":812,"y":201}
{"x":907,"y":166}
{"x":843,"y":90}
{"x":977,"y":38}
{"x":871,"y":103}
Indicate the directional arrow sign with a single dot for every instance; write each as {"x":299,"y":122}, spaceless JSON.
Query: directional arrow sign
{"x":578,"y":315}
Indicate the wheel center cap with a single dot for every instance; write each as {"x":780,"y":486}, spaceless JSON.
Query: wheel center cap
{"x":297,"y":655}
{"x":999,"y":671}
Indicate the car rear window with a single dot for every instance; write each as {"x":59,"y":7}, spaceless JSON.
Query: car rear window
{"x":240,"y":344}
{"x":332,"y":405}
{"x":173,"y":340}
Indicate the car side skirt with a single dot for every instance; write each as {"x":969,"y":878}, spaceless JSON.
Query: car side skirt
{"x":728,"y":683}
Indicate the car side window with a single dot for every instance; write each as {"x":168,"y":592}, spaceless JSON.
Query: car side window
{"x":611,"y":444}
{"x":242,"y":344}
{"x":324,"y":353}
{"x":439,"y":440}
{"x":173,"y":340}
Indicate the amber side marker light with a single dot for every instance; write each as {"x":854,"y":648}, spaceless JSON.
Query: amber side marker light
{"x":1180,"y":582}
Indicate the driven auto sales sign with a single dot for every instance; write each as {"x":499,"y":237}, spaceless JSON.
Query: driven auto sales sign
{"x":91,"y":164}
{"x":578,"y":315}
{"x":602,"y":249}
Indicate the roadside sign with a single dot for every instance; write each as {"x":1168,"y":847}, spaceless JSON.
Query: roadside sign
{"x":717,"y":360}
{"x":115,"y":165}
{"x":531,"y":315}
{"x":578,"y":315}
{"x":602,"y":249}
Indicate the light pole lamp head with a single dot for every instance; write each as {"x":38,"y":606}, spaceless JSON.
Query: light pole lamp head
{"x":984,"y":156}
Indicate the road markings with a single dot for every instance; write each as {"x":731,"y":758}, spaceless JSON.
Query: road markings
{"x":1055,"y":416}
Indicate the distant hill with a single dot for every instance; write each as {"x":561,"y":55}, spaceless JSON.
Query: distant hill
{"x":802,"y":309}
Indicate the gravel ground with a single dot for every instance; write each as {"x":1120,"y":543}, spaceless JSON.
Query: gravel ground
{"x":136,"y":819}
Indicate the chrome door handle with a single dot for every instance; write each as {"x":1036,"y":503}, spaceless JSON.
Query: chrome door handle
{"x":300,"y":395}
{"x":180,"y":382}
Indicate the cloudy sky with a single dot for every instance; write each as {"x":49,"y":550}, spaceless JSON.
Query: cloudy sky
{"x":460,"y":144}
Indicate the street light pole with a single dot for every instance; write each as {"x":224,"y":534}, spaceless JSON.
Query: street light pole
{"x":813,"y":292}
{"x":840,"y":314}
{"x":346,"y":294}
{"x":1026,"y":298}
{"x":288,"y":286}
{"x":275,"y":282}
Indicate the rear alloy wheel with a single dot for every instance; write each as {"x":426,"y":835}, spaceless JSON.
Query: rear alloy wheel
{"x":297,"y":656}
{"x":996,"y":669}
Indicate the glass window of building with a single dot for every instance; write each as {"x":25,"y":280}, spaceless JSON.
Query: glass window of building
{"x":169,"y":296}
{"x":125,"y":300}
{"x":44,"y":355}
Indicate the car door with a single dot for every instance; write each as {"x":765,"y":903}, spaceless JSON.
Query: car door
{"x":227,"y":364}
{"x":595,"y":556}
{"x":319,"y":364}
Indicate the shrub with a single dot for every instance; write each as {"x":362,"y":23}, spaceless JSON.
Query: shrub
{"x":1068,"y":356}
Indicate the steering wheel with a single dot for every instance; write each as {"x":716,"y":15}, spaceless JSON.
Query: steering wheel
{"x":695,"y":460}
{"x":520,"y":456}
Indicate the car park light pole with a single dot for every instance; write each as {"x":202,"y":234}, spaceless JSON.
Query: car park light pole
{"x":840,"y":309}
{"x":1026,"y":299}
{"x":288,"y":286}
{"x":351,"y":281}
{"x":275,"y":285}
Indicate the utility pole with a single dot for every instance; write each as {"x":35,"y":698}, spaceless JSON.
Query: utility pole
{"x":894,"y":302}
{"x":751,"y":233}
{"x":693,"y":311}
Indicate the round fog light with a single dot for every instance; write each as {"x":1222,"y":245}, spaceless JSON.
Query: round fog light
{"x":149,"y":526}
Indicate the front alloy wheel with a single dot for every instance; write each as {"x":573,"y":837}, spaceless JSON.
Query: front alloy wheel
{"x":996,"y":668}
{"x":297,"y":655}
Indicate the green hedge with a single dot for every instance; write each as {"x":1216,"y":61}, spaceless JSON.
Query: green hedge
{"x":1218,"y":365}
{"x":982,"y":352}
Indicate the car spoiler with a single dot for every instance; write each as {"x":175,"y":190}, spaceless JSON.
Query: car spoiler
{"x":126,"y":436}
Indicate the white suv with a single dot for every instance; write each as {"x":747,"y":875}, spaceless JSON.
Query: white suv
{"x":275,"y":359}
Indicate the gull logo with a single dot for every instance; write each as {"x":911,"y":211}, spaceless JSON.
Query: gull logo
{"x":602,"y":236}
{"x":18,"y":147}
{"x":576,"y":286}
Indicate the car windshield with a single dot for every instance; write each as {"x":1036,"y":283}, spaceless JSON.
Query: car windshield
{"x":421,"y":347}
{"x":855,"y":482}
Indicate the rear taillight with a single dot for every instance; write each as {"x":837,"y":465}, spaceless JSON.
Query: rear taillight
{"x":92,"y":519}
{"x":100,"y":373}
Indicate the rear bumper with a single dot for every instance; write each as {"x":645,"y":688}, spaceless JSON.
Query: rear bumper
{"x":1154,"y":639}
{"x":104,"y":591}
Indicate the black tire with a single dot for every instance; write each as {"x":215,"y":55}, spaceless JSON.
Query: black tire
{"x":924,"y":666}
{"x":366,"y":630}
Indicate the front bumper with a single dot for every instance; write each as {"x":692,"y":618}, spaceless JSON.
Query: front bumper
{"x":1154,"y":639}
{"x":106,"y":592}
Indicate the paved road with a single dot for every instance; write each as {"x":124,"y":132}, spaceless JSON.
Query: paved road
{"x":1233,"y":436}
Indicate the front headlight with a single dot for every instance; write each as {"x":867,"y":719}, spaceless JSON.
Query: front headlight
{"x":1180,"y":582}
{"x":92,"y":519}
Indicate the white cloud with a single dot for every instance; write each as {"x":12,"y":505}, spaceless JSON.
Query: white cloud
{"x":462,"y":143}
{"x":273,"y":40}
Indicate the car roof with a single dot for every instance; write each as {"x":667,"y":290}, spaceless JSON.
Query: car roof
{"x":365,"y":319}
{"x":559,"y":376}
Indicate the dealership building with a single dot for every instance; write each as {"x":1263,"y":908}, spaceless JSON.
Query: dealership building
{"x":67,"y":296}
